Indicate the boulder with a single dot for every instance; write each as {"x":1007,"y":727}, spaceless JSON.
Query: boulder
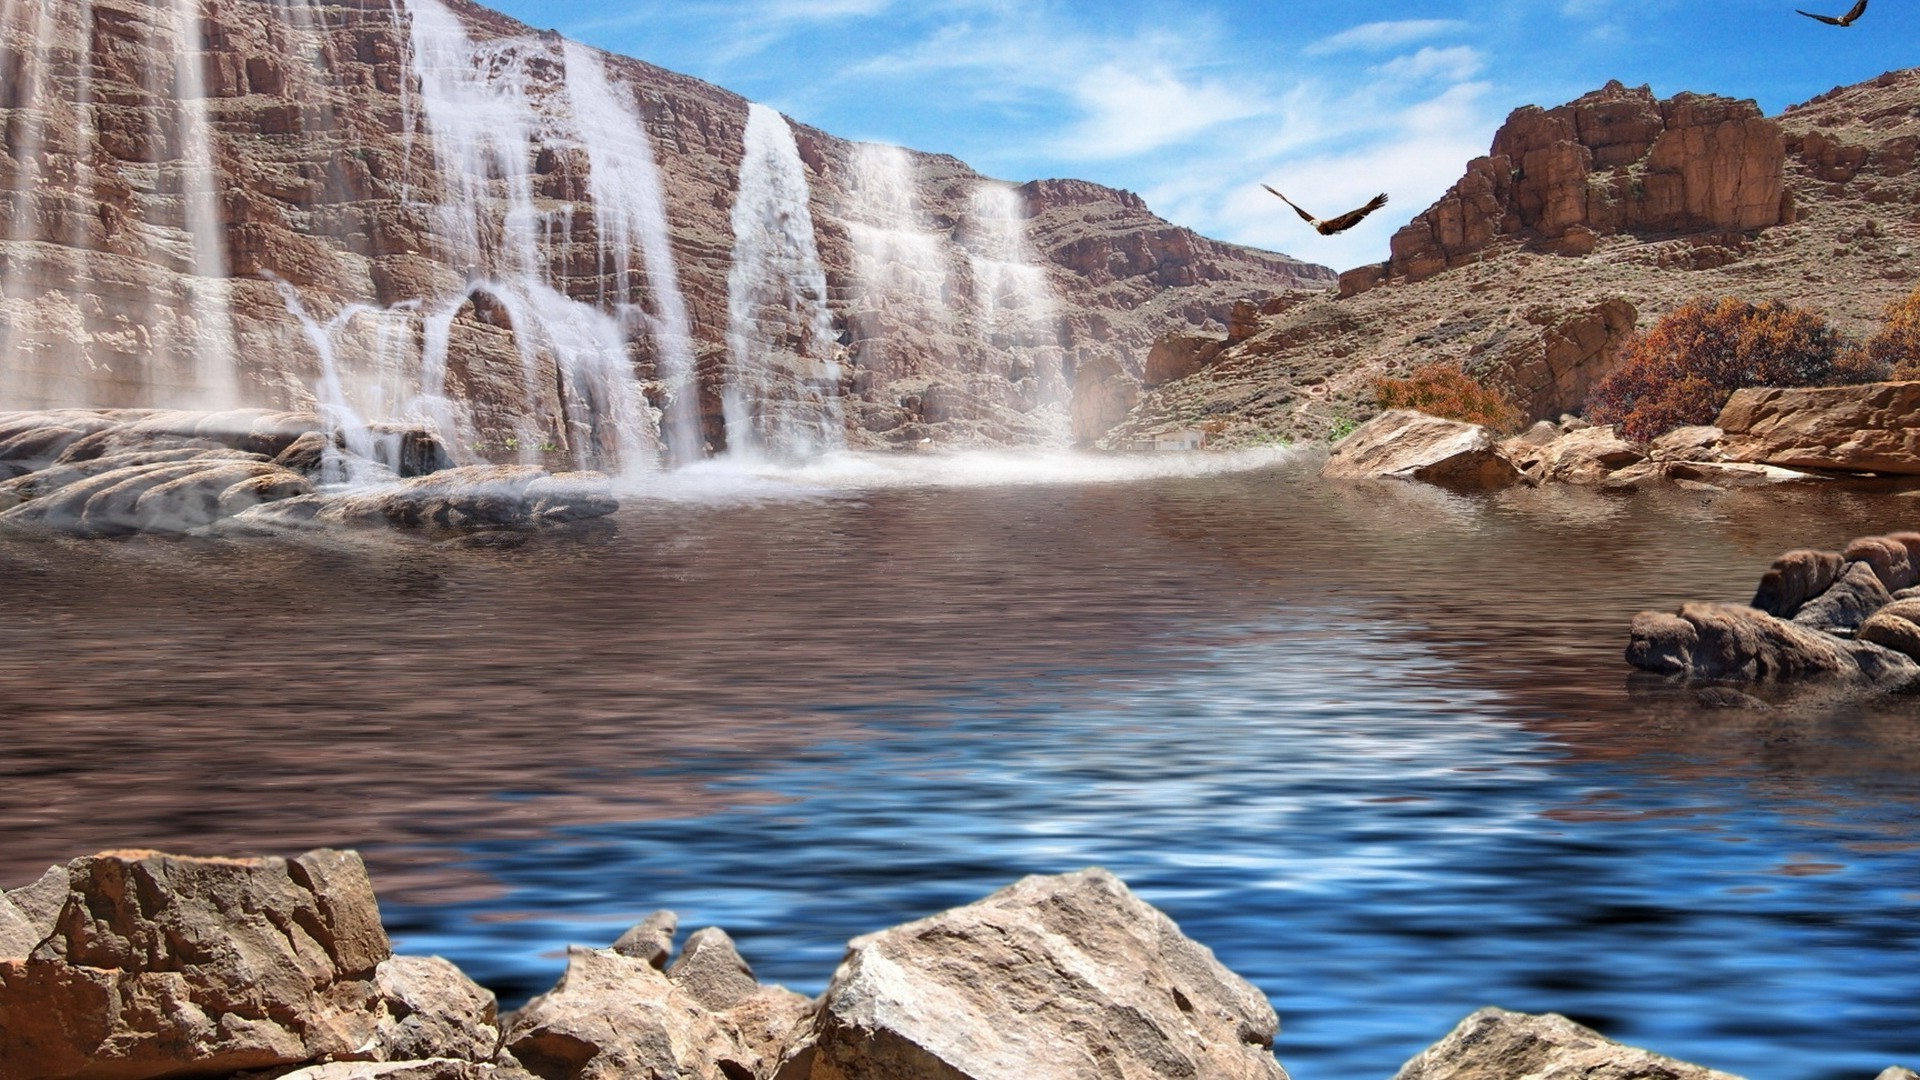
{"x":572,"y":496}
{"x":1403,"y":444}
{"x":1494,"y":1044}
{"x":428,"y":1008}
{"x":54,"y":477}
{"x":1898,"y":1073}
{"x":1735,"y":642}
{"x":1847,"y":603}
{"x":1795,"y":578}
{"x":1068,"y":978}
{"x":1588,"y":456}
{"x":1895,"y":626}
{"x":157,"y":964}
{"x":612,"y":1017}
{"x":1865,"y":428}
{"x":1732,"y":474}
{"x":1696,"y":442}
{"x":712,"y":972}
{"x":1887,"y":557}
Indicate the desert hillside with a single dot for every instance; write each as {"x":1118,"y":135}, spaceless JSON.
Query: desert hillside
{"x":1582,"y":222}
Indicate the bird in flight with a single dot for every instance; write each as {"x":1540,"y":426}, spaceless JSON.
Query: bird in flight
{"x":1859,"y":9}
{"x":1336,"y":224}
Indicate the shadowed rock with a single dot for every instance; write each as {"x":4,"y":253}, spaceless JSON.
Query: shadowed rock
{"x":1895,"y":626}
{"x":1068,"y":978}
{"x":1735,"y":642}
{"x":1494,"y":1044}
{"x":478,"y":496}
{"x":1847,"y":603}
{"x":1795,"y":578}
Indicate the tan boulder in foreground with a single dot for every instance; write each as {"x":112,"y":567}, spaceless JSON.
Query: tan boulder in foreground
{"x":1068,"y":978}
{"x":1403,"y":444}
{"x":1494,"y":1044}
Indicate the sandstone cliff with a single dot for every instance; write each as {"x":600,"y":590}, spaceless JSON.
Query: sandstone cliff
{"x":455,"y":203}
{"x":1536,"y":282}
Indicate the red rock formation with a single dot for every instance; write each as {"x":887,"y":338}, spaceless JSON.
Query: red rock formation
{"x":1615,"y":161}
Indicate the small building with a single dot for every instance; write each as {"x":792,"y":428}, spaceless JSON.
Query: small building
{"x":1179,"y":439}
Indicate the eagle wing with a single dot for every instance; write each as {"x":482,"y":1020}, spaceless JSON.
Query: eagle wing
{"x":1304,"y":216}
{"x":1859,"y":9}
{"x":1828,"y":19}
{"x":1352,"y":217}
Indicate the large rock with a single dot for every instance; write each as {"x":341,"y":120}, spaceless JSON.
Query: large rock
{"x":1616,"y":160}
{"x":1067,"y":978}
{"x":162,"y":966}
{"x":1895,"y":626}
{"x":1403,"y":444}
{"x":1494,"y":1044}
{"x":1735,"y":642}
{"x":1587,"y":456}
{"x":160,"y":496}
{"x":428,"y":1008}
{"x":1869,"y":428}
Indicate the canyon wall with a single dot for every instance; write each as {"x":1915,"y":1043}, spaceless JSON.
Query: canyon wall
{"x":425,"y":210}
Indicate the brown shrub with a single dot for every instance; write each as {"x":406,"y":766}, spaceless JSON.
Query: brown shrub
{"x":1684,"y":369}
{"x":1444,"y":390}
{"x":1895,"y":349}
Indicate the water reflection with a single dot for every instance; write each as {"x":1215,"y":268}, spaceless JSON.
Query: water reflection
{"x":1374,"y":744}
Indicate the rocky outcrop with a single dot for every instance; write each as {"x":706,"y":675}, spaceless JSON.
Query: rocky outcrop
{"x":1401,"y":444}
{"x":477,"y":497}
{"x":1494,"y":1044}
{"x":1551,"y":374}
{"x":1120,"y":993}
{"x":1867,"y":428}
{"x":1617,"y":160}
{"x":154,"y":962}
{"x":1103,"y":394}
{"x":1816,"y":615}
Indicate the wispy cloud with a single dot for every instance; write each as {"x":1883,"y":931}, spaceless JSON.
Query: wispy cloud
{"x":1382,"y":36}
{"x":1457,"y":63}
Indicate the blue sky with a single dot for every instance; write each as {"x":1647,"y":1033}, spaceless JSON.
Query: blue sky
{"x":1193,"y":104}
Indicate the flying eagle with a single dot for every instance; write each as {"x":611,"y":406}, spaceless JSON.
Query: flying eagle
{"x":1342,"y":223}
{"x":1859,"y":9}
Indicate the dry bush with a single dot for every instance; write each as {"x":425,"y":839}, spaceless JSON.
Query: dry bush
{"x":1684,"y":369}
{"x":1442,"y":389}
{"x":1895,"y":349}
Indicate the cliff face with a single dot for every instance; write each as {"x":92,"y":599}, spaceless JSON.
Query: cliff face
{"x":1614,"y":161}
{"x":1586,"y":221}
{"x":426,"y":208}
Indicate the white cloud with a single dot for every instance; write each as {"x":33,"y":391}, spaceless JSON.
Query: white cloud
{"x":1381,"y":36}
{"x":1129,"y":112}
{"x":1457,"y":63}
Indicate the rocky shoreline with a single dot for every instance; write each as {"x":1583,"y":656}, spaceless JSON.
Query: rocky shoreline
{"x":1763,"y":436}
{"x":137,"y":965}
{"x":116,"y":472}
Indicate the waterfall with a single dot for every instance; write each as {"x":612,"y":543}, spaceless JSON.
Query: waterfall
{"x":782,"y":388}
{"x":210,"y":352}
{"x":897,"y":256}
{"x":1017,"y":311}
{"x":631,"y":209}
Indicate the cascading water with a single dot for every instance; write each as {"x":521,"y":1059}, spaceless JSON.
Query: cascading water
{"x":782,"y":390}
{"x":1016,"y":309}
{"x":898,"y":259}
{"x":631,"y":210}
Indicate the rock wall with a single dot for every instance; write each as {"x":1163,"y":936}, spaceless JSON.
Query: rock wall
{"x":185,"y":180}
{"x":1617,"y":160}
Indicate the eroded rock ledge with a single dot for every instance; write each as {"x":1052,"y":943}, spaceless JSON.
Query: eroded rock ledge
{"x":136,"y":965}
{"x":117,"y":472}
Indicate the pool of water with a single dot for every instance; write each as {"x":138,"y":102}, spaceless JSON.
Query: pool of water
{"x":1373,"y":744}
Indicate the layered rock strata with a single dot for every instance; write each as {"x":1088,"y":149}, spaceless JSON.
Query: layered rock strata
{"x":108,"y":473}
{"x":143,"y":966}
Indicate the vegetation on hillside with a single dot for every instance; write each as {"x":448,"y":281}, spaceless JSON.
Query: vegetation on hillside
{"x":1683,"y":370}
{"x":1445,"y":390}
{"x":1896,"y":347}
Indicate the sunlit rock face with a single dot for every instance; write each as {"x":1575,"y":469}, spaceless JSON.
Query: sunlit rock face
{"x":1617,"y":160}
{"x":422,"y":210}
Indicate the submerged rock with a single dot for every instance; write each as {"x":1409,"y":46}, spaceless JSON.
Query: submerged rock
{"x":478,"y":497}
{"x":1068,"y":978}
{"x":1494,"y":1044}
{"x":1847,"y":603}
{"x":1795,"y":578}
